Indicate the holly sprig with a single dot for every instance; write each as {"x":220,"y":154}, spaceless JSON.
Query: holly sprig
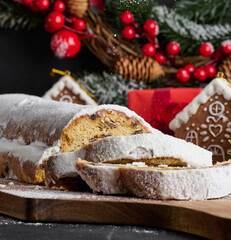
{"x":17,"y":16}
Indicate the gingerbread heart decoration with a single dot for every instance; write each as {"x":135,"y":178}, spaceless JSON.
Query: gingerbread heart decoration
{"x":215,"y":130}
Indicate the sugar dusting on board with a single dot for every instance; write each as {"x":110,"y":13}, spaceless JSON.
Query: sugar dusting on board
{"x":39,"y":192}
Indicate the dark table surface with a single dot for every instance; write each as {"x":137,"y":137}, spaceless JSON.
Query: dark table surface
{"x":15,"y":229}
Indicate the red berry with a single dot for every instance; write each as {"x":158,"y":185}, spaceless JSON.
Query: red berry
{"x":43,"y":4}
{"x":151,"y":27}
{"x":226,"y":47}
{"x":200,"y":74}
{"x":79,"y":24}
{"x":27,"y":2}
{"x":33,"y":7}
{"x":148,"y":50}
{"x":183,"y":75}
{"x":160,"y":58}
{"x":59,"y":6}
{"x":190,"y":68}
{"x":206,"y":49}
{"x":128,"y":33}
{"x":72,"y":19}
{"x":218,"y":54}
{"x":54,"y":21}
{"x":126,"y":17}
{"x":211,"y":71}
{"x":65,"y":44}
{"x":173,"y":48}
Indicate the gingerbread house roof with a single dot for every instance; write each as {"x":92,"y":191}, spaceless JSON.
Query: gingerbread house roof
{"x":217,"y":86}
{"x":74,"y":87}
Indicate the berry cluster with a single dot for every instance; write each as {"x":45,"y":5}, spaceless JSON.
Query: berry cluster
{"x":208,"y":70}
{"x":150,"y":30}
{"x":68,"y":31}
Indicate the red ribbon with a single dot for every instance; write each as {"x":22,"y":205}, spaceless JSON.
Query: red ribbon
{"x":159,"y":106}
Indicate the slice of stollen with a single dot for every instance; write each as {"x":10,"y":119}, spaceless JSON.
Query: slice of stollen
{"x":154,"y":149}
{"x":157,"y":182}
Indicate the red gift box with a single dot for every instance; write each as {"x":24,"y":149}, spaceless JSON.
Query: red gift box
{"x":159,"y":106}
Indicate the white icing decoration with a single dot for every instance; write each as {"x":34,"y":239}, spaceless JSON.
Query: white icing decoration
{"x":192,"y":137}
{"x":215,"y":130}
{"x":227,"y":112}
{"x":205,"y":139}
{"x":203,"y":126}
{"x":222,"y":140}
{"x":229,"y":125}
{"x":217,"y":151}
{"x":193,"y":124}
{"x":205,"y":109}
{"x":187,"y":128}
{"x":228,"y":130}
{"x":210,"y":99}
{"x":66,"y":98}
{"x":225,"y":103}
{"x":198,"y":129}
{"x":73,"y":86}
{"x":203,"y":133}
{"x":227,"y":135}
{"x":216,"y":97}
{"x":212,"y":140}
{"x":216,"y":108}
{"x":217,"y":86}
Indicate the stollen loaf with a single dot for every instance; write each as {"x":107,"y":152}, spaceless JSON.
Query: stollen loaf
{"x":32,"y":129}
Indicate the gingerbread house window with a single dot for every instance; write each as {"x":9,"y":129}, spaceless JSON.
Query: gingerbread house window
{"x":192,"y":137}
{"x":217,"y":151}
{"x":216,"y":108}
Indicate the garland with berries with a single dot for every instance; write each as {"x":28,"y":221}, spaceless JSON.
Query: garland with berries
{"x":145,"y":35}
{"x":189,"y":34}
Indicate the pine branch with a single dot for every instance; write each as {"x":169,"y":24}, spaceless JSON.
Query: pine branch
{"x":205,"y":12}
{"x":174,"y":27}
{"x":111,"y":89}
{"x":16,"y":16}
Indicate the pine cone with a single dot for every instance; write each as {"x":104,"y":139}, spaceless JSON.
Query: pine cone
{"x":77,"y":7}
{"x":138,"y":68}
{"x":225,"y":67}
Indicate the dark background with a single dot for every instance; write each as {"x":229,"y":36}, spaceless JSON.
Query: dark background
{"x":26,"y":61}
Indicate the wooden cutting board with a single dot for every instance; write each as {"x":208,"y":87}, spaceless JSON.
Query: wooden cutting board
{"x":210,"y":218}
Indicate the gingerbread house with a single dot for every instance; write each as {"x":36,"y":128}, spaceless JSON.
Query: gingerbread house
{"x":68,"y":90}
{"x":206,"y":121}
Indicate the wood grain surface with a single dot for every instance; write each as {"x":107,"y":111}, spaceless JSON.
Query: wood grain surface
{"x":210,"y":218}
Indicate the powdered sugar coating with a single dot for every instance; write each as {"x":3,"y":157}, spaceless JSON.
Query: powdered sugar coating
{"x":42,"y":116}
{"x":180,"y":184}
{"x":31,"y":127}
{"x":217,"y":86}
{"x":134,"y":147}
{"x":66,"y":81}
